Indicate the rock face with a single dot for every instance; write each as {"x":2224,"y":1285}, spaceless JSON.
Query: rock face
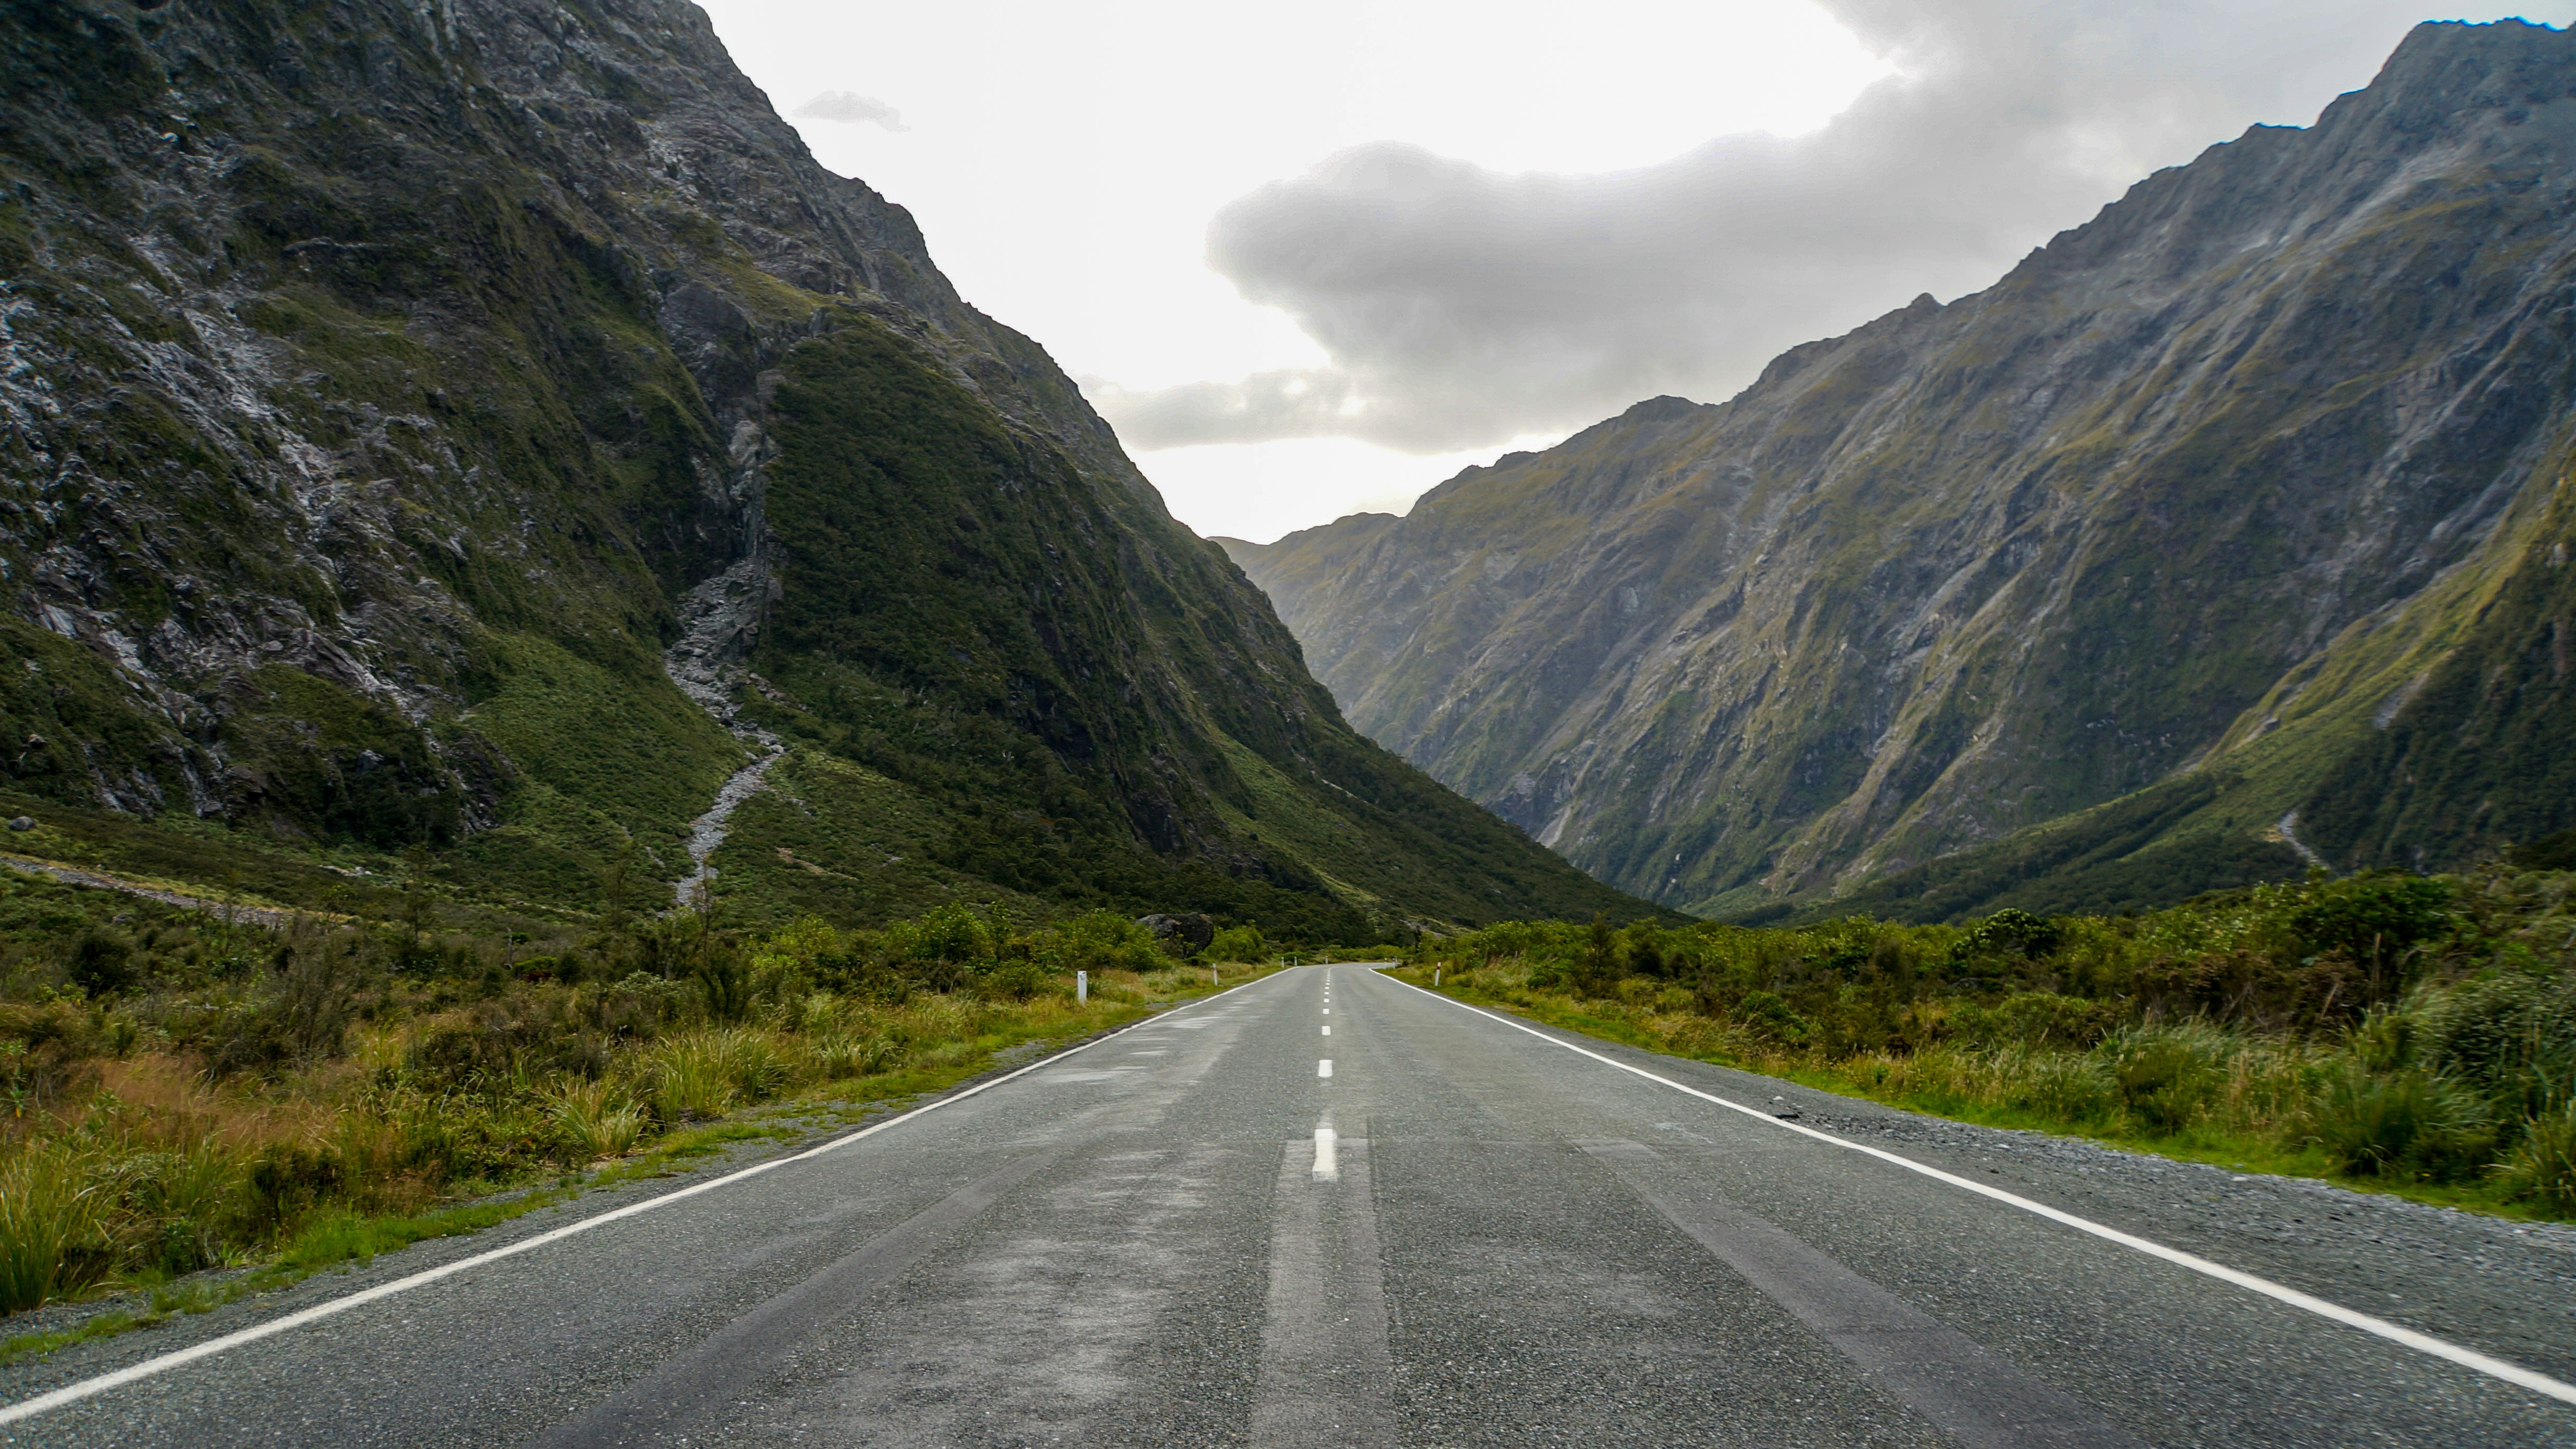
{"x":385,"y":386}
{"x":2244,"y":499}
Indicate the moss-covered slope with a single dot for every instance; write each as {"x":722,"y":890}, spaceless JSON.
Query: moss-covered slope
{"x":2238,"y":495}
{"x":385,"y":388}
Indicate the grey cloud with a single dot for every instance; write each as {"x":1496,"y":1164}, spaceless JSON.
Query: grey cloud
{"x":853,"y":107}
{"x":1294,"y":403}
{"x":1462,"y":307}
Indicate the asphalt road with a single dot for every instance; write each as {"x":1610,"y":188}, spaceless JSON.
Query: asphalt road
{"x":1502,"y":1242}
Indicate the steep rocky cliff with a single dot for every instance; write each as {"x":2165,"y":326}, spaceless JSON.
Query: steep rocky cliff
{"x":407,"y":406}
{"x":2226,"y":526}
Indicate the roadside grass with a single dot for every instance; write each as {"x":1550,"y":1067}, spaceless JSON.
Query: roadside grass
{"x":2239,"y":1121}
{"x":141,"y":1149}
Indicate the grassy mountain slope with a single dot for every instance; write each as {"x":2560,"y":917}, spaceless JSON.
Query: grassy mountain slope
{"x":2233,"y":503}
{"x":384,"y":389}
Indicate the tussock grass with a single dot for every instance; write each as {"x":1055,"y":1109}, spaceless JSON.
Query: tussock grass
{"x":49,"y":1224}
{"x":595,"y":1116}
{"x":2543,"y":1165}
{"x":692,"y":1078}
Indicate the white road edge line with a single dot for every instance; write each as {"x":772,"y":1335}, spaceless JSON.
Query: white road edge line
{"x":86,"y":1388}
{"x":2511,"y":1373}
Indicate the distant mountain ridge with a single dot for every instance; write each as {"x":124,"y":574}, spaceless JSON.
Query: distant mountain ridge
{"x":2227,"y":525}
{"x":384,"y":386}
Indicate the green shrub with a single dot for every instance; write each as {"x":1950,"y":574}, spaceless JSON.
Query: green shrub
{"x":1767,"y":1016}
{"x":2008,"y":932}
{"x":645,"y":998}
{"x":45,"y":1056}
{"x":1645,"y":952}
{"x":2510,"y":1034}
{"x":2373,"y":918}
{"x":245,"y":1038}
{"x":1238,"y":943}
{"x":2035,"y":1018}
{"x":2069,"y":1086}
{"x":2165,"y":1076}
{"x":1097,"y":941}
{"x":818,"y":1011}
{"x":313,"y":996}
{"x":939,"y":948}
{"x":1014,"y":981}
{"x":101,"y":964}
{"x":1597,"y":970}
{"x":724,"y":981}
{"x":2549,"y":852}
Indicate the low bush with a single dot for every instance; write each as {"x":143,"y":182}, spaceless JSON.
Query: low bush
{"x":2065,"y":1087}
{"x":1238,"y":943}
{"x":2396,"y":1029}
{"x":2166,"y":1077}
{"x":179,"y":1091}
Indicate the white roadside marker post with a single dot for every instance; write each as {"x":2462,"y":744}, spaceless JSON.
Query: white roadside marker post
{"x":1435,"y":975}
{"x":1081,"y":987}
{"x":1212,"y":976}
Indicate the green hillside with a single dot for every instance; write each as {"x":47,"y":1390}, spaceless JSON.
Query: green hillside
{"x":404,"y":412}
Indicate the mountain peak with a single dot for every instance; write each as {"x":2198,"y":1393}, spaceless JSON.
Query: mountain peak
{"x":1663,"y":408}
{"x":484,"y":428}
{"x":2088,"y":538}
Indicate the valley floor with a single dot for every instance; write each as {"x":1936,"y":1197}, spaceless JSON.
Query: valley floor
{"x":1500,"y":1241}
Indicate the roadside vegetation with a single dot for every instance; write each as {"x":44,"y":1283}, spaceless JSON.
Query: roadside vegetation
{"x":2390,"y":1031}
{"x":181,"y":1089}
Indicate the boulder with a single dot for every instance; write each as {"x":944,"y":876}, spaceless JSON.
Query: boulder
{"x":1184,"y":936}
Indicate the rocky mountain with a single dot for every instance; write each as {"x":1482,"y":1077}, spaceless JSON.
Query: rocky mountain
{"x":479,"y":427}
{"x":2226,"y":532}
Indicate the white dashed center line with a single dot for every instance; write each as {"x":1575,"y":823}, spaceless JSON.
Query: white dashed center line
{"x":1324,"y":1068}
{"x":1328,"y":1166}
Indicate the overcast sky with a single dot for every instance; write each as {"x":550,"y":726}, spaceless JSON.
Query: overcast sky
{"x":1315,"y":259}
